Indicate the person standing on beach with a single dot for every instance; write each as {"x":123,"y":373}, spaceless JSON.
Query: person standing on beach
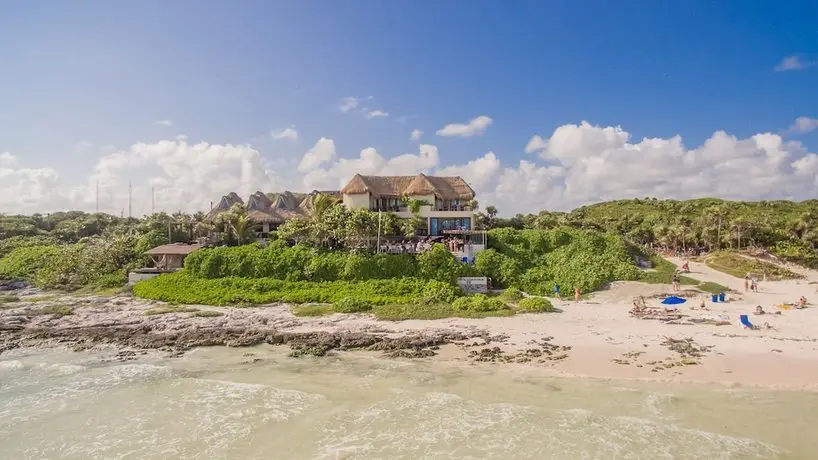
{"x":557,"y":291}
{"x":577,"y":295}
{"x":676,"y":280}
{"x":746,"y":282}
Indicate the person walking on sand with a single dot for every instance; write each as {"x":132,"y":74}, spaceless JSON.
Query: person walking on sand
{"x":577,"y":295}
{"x":557,"y":291}
{"x":676,"y":280}
{"x":747,"y":282}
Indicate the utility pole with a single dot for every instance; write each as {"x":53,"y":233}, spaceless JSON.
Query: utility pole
{"x":378,"y":247}
{"x":152,"y":201}
{"x":97,"y":196}
{"x":130,"y":198}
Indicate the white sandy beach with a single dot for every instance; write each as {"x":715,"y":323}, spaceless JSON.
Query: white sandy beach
{"x":605,"y":340}
{"x":600,"y":330}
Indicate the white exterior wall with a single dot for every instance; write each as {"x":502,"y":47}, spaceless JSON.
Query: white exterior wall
{"x":357,"y":201}
{"x":426,"y":212}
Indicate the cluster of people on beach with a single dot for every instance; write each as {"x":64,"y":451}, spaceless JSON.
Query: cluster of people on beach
{"x":750,"y":283}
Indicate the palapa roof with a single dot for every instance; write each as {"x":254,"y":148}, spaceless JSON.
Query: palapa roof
{"x":446,"y":188}
{"x":175,"y":249}
{"x":273,"y":208}
{"x":224,"y":204}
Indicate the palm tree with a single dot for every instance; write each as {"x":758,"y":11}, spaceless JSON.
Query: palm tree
{"x":717,"y":215}
{"x":321,"y":203}
{"x":237,"y":222}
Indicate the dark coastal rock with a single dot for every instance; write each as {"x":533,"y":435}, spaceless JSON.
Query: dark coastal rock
{"x":13,"y":285}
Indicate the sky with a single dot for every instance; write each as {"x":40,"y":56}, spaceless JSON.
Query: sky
{"x":538,"y":105}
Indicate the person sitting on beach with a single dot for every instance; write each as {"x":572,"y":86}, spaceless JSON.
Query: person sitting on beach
{"x":802,"y":302}
{"x":686,"y":267}
{"x":759,"y":310}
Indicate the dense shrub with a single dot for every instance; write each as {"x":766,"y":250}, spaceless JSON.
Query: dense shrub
{"x":9,"y":244}
{"x":535,"y":260}
{"x":535,"y":304}
{"x":351,"y":305}
{"x":92,"y":260}
{"x":24,"y":262}
{"x":798,"y":252}
{"x":301,"y":263}
{"x":182,"y":288}
{"x":512,"y":295}
{"x":296,"y":263}
{"x":439,"y":264}
{"x":478,"y":302}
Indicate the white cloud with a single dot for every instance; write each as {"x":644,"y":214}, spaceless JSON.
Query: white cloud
{"x":416,"y":134}
{"x":370,"y":162}
{"x":163,"y":122}
{"x":83,"y":146}
{"x":376,"y":114}
{"x":804,"y":125}
{"x":586,"y":163}
{"x":576,"y":164}
{"x":25,"y":190}
{"x":793,"y":63}
{"x":323,"y":151}
{"x":7,"y":159}
{"x":475,"y":127}
{"x":350,"y":102}
{"x":479,"y":173}
{"x":185,"y":176}
{"x":536,"y":144}
{"x":286,"y":133}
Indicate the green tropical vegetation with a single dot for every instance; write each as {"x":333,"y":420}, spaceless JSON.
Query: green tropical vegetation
{"x":402,"y":312}
{"x":535,"y":305}
{"x":329,"y":259}
{"x":739,"y":266}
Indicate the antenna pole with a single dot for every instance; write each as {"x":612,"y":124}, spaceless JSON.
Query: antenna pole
{"x":130,"y":199}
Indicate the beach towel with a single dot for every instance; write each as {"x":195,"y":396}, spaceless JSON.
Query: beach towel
{"x":785,"y":306}
{"x":745,"y":321}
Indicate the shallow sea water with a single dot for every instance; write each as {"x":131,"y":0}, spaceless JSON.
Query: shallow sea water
{"x":214,"y":403}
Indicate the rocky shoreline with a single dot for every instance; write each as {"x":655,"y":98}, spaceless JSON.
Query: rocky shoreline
{"x":29,"y":318}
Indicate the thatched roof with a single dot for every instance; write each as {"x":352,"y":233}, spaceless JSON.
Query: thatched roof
{"x":259,"y":200}
{"x":224,"y":204}
{"x":447,"y":188}
{"x":175,"y":249}
{"x":275,"y":208}
{"x":285,"y":200}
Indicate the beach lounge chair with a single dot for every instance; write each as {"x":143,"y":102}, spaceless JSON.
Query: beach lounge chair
{"x":745,"y":322}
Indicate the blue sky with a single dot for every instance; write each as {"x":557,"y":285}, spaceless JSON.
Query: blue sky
{"x":83,"y":79}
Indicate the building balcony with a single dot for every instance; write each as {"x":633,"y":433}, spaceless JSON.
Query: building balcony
{"x":427,"y":210}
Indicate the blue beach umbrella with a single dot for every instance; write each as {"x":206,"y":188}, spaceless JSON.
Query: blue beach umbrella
{"x":673,"y":300}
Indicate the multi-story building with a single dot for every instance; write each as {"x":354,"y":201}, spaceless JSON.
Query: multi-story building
{"x":445,"y":204}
